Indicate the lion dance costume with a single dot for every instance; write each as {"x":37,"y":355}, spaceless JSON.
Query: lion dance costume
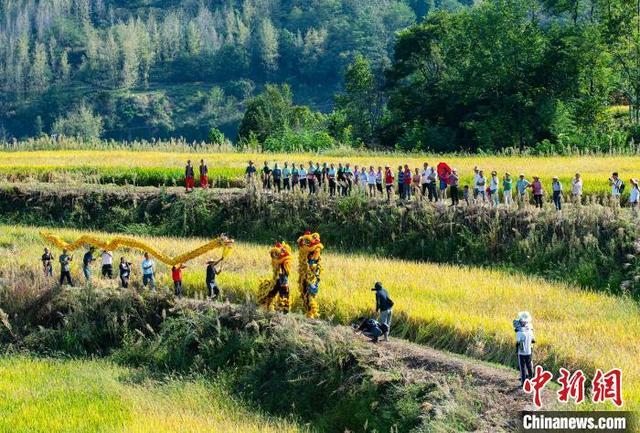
{"x":309,"y":269}
{"x":278,"y":285}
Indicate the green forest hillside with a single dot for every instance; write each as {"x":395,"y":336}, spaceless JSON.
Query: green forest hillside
{"x":181,"y":67}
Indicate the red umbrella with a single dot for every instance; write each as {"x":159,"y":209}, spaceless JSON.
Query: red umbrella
{"x":444,"y":171}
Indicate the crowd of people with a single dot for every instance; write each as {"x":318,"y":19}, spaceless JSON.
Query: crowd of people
{"x":432,"y":183}
{"x":125,"y":268}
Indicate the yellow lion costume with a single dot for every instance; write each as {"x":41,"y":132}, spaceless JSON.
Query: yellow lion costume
{"x":309,"y":269}
{"x":278,"y":285}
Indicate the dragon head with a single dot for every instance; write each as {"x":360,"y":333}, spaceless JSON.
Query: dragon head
{"x":309,"y":244}
{"x":281,"y":255}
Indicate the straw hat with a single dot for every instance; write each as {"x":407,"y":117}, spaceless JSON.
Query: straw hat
{"x":524,"y":317}
{"x":634,"y":181}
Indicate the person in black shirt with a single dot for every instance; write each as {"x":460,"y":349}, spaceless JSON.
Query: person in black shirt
{"x":47,"y":266}
{"x":87,"y":259}
{"x":204,"y":174}
{"x":250,"y":175}
{"x":188,"y":177}
{"x":277,"y":177}
{"x":384,"y":304}
{"x":370,"y":328}
{"x":212,"y":287}
{"x":266,"y":176}
{"x":125,"y":272}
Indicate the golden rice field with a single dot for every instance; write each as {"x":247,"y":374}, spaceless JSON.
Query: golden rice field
{"x":595,"y":170}
{"x":44,"y":395}
{"x":462,"y":309}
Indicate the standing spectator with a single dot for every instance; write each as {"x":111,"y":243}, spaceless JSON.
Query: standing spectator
{"x":356,"y":174}
{"x":379,"y":179}
{"x":107,"y":264}
{"x":148,"y":270}
{"x":576,"y":189}
{"x":311,"y":178}
{"x":507,"y":186}
{"x":400,"y":182}
{"x":125,"y":272}
{"x":480,"y":186}
{"x":388,"y":181}
{"x":325,"y":176}
{"x":65,"y":267}
{"x":47,"y":263}
{"x":212,"y":272}
{"x":617,"y":187}
{"x":634,"y":196}
{"x":433,"y":178}
{"x":371,"y":181}
{"x":349,"y":176}
{"x":465,"y":194}
{"x":286,"y":177}
{"x":318,"y":173}
{"x":303,"y":178}
{"x":407,"y":179}
{"x":424,"y":179}
{"x":442,"y":181}
{"x":277,"y":177}
{"x":493,"y":189}
{"x":454,"y":182}
{"x":189,"y":182}
{"x":384,"y":306}
{"x":524,"y":342}
{"x":521,"y":186}
{"x":250,"y":176}
{"x":204,"y":174}
{"x":331,"y":174}
{"x":556,"y":187}
{"x":176,"y":276}
{"x":266,"y":176}
{"x":415,"y":184}
{"x":295,"y":177}
{"x":476,"y":173}
{"x":536,"y":188}
{"x":342,"y":180}
{"x":364,"y":180}
{"x":87,"y":259}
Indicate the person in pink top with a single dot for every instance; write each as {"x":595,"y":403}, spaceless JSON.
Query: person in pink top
{"x":536,"y":188}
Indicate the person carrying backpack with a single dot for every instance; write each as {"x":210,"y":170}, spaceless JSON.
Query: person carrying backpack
{"x":617,"y":187}
{"x":384,"y":306}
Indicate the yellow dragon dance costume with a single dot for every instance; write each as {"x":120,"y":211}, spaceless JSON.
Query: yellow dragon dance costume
{"x":278,"y":285}
{"x":309,"y":269}
{"x":221,"y":241}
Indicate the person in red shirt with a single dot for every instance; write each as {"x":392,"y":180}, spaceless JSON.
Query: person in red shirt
{"x":176,"y":275}
{"x":406,"y":180}
{"x":388,"y":181}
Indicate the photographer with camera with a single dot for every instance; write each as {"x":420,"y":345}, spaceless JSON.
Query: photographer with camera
{"x":125,"y":272}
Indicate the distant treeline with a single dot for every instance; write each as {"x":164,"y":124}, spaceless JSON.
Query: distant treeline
{"x":545,"y":75}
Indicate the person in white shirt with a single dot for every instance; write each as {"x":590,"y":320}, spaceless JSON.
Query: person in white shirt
{"x":576,"y":189}
{"x":617,"y":186}
{"x":634,"y":196}
{"x":480,"y":186}
{"x":371,"y":181}
{"x":493,"y":188}
{"x":476,"y":173}
{"x":424,"y":179}
{"x":432,"y":186}
{"x":524,"y":341}
{"x":107,"y":264}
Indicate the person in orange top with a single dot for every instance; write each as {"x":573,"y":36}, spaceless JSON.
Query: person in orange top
{"x":176,"y":275}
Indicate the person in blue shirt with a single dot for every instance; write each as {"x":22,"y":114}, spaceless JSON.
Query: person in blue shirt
{"x":87,"y":259}
{"x":370,"y":328}
{"x":331,"y":174}
{"x":148,"y":269}
{"x":277,"y":177}
{"x":286,"y":177}
{"x":400,"y":181}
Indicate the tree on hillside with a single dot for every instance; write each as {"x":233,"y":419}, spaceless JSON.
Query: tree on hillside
{"x":360,"y":103}
{"x":268,"y":113}
{"x":80,"y":123}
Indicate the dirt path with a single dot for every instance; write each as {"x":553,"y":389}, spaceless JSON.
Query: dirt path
{"x":495,"y":388}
